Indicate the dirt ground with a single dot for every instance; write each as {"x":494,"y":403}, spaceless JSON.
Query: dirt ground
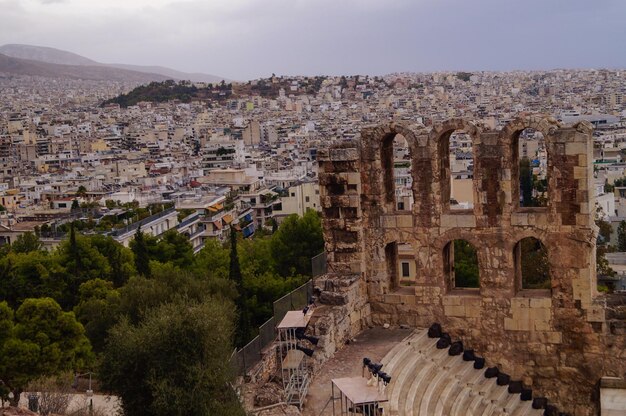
{"x":373,"y":343}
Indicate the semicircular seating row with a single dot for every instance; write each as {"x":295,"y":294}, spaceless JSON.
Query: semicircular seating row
{"x":428,"y":381}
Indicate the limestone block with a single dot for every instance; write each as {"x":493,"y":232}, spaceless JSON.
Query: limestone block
{"x":466,"y":220}
{"x":582,"y":160}
{"x":582,"y":219}
{"x":541,"y":303}
{"x":448,"y":221}
{"x":451,"y":300}
{"x":519,"y":218}
{"x":540,"y":314}
{"x":510,"y":324}
{"x":575,"y":148}
{"x":542,"y":326}
{"x":404,"y":221}
{"x":354,"y":178}
{"x":455,"y":311}
{"x":595,"y":314}
{"x":518,"y":303}
{"x":580,"y":172}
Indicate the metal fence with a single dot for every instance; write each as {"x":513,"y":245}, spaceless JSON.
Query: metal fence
{"x":318,"y":264}
{"x":247,"y":357}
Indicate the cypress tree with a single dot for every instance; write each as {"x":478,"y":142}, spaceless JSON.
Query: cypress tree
{"x":243,"y":327}
{"x":142,"y":258}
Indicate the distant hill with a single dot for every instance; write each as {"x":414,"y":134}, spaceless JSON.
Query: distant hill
{"x":171,"y":90}
{"x":17,"y":66}
{"x":61,"y":57}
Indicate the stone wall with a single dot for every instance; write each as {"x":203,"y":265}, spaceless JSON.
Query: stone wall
{"x":556,"y":340}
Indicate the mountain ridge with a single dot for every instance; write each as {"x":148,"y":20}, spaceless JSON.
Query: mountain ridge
{"x":61,"y":57}
{"x":17,"y":66}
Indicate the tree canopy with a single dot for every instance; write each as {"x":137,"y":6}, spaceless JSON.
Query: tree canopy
{"x":174,"y":362}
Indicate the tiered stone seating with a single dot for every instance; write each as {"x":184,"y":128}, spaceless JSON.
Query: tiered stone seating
{"x":426,"y":381}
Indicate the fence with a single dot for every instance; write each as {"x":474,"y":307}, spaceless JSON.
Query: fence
{"x":250,"y":355}
{"x":318,"y":264}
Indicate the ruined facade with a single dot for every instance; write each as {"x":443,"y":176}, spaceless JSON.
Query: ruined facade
{"x":557,"y":340}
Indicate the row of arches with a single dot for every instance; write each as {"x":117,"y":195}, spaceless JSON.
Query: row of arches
{"x":461,"y":266}
{"x":456,"y":147}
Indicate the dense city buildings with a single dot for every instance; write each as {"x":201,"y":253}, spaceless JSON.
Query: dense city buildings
{"x":254,"y":144}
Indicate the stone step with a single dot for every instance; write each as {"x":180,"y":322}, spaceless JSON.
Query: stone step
{"x":403,"y":380}
{"x":433,"y":391}
{"x":461,"y":402}
{"x":445,"y":401}
{"x":411,"y":395}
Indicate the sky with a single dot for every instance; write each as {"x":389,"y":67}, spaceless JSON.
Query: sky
{"x":248,"y":39}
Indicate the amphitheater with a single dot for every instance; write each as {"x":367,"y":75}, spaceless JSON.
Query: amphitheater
{"x":560,"y":342}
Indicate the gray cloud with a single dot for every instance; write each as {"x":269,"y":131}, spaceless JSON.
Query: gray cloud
{"x":244,"y":39}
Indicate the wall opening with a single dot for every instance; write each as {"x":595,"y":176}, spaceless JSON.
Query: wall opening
{"x":391,"y":259}
{"x":397,"y":178}
{"x":457,"y":152}
{"x":532,"y":264}
{"x":461,"y":264}
{"x":532,"y":168}
{"x":407,"y":266}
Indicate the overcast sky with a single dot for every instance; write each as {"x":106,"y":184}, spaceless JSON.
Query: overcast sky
{"x":244,"y":39}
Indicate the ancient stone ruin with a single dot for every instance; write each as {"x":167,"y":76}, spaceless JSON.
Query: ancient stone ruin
{"x":557,"y":339}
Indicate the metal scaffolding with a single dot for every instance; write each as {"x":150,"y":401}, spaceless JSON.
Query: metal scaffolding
{"x":295,"y":369}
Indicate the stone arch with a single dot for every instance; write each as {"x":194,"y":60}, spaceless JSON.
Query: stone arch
{"x":383,"y":136}
{"x":544,"y":124}
{"x":440,"y":136}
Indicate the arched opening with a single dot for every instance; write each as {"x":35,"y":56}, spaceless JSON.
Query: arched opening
{"x":457,"y":153}
{"x":401,"y":264}
{"x":397,"y":179}
{"x":461,"y":264}
{"x":532,"y":173}
{"x":532,"y":265}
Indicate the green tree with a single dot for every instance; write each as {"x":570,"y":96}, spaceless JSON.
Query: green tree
{"x":175,"y":362}
{"x":142,"y":256}
{"x":81,"y":192}
{"x":621,"y":236}
{"x":465,"y":265}
{"x":535,"y":266}
{"x":98,"y":310}
{"x":75,"y":205}
{"x":82,"y":262}
{"x":31,"y":275}
{"x":213,"y":260}
{"x":26,"y":243}
{"x":296,"y":242}
{"x":42,"y":340}
{"x":174,"y":248}
{"x":121,"y":260}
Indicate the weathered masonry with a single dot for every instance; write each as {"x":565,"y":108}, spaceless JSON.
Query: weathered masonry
{"x":556,"y":339}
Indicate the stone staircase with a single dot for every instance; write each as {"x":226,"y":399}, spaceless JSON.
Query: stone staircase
{"x":428,"y":381}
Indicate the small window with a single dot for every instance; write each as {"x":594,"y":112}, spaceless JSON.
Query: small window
{"x":293,"y":194}
{"x":306,"y":199}
{"x":317,"y":192}
{"x":400,"y":206}
{"x":405,"y":269}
